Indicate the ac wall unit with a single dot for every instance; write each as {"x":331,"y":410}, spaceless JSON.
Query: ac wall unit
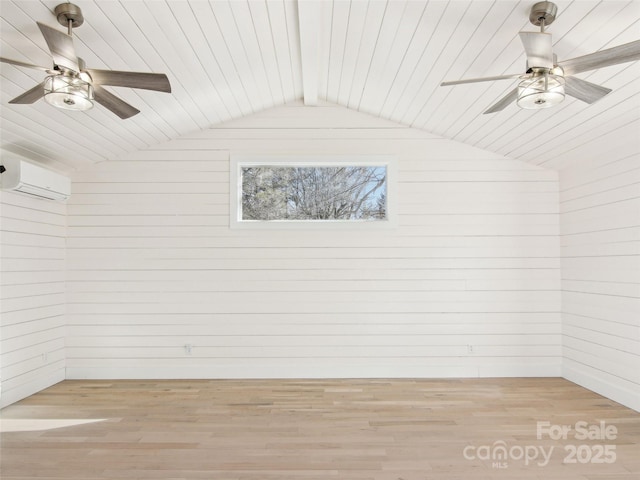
{"x":24,"y":177}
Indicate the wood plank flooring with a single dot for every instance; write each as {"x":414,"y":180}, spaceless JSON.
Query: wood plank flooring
{"x":317,"y":429}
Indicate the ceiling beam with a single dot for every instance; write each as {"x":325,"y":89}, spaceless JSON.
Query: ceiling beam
{"x":309,"y":28}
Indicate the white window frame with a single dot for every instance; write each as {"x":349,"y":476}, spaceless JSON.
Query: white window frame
{"x":237,"y":162}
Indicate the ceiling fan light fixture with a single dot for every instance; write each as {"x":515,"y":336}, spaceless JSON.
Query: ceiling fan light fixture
{"x":68,"y":92}
{"x":541,"y":91}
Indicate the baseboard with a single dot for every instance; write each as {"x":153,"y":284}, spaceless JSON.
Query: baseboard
{"x":292,"y":370}
{"x":614,"y":388}
{"x":25,"y":390}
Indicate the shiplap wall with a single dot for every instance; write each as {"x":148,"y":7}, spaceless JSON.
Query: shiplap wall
{"x":32,"y":279}
{"x":468,"y":284}
{"x":600,"y":242}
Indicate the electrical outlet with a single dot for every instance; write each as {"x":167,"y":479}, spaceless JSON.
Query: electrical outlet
{"x":45,"y":357}
{"x":469,"y":348}
{"x":187,"y":348}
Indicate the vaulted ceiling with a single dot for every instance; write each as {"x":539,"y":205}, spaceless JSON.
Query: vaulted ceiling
{"x":228,"y":59}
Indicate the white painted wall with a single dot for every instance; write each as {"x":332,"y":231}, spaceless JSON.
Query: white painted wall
{"x":32,"y":289}
{"x":600,"y":237}
{"x":468,"y":284}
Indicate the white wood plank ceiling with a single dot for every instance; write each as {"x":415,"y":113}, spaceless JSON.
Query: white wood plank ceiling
{"x":227,"y":59}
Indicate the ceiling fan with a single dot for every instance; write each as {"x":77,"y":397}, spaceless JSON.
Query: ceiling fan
{"x":546,"y":81}
{"x":72,"y":86}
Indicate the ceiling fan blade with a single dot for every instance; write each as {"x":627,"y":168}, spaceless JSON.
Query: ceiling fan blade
{"x":604,"y":58}
{"x":113,"y":103}
{"x":483,"y":79}
{"x":582,"y":90}
{"x":61,"y":47}
{"x":147,"y":81}
{"x":503,"y":102}
{"x":539,"y":49}
{"x":22,"y":64}
{"x":30,"y":95}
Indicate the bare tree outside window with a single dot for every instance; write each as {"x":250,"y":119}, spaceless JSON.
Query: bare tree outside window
{"x":314,"y":193}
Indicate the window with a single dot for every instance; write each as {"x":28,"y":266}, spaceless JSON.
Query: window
{"x":310,"y":190}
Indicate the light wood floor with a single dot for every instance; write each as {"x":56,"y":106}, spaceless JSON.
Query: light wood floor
{"x":311,"y":429}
